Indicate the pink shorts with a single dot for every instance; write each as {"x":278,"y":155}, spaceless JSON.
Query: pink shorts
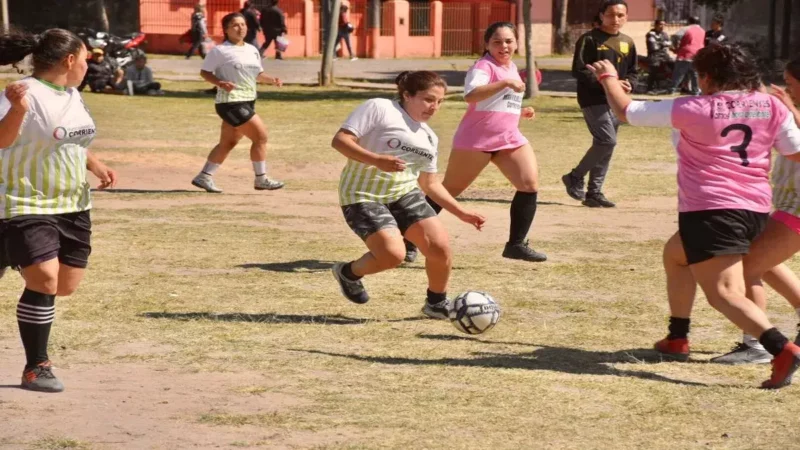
{"x":791,"y":221}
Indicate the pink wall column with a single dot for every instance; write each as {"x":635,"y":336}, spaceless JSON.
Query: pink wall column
{"x":309,"y":28}
{"x":436,"y":27}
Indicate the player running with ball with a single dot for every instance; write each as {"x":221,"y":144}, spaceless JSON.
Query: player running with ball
{"x":392,"y":153}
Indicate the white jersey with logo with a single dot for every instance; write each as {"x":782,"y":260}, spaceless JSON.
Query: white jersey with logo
{"x":44,"y":170}
{"x":239,"y":64}
{"x":382,"y":126}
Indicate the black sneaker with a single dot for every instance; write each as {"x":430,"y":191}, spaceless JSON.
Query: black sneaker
{"x":523,"y":252}
{"x":411,"y":252}
{"x":574,"y":186}
{"x":439,"y":310}
{"x":598,"y":200}
{"x":41,"y":379}
{"x":352,"y":290}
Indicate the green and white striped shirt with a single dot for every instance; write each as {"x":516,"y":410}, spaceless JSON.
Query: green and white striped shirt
{"x":239,"y":64}
{"x":44,"y":170}
{"x":382,"y":126}
{"x":786,"y":185}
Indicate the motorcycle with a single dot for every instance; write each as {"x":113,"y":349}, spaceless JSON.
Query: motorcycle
{"x":122,"y":51}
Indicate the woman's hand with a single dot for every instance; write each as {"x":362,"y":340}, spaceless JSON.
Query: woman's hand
{"x":782,"y":95}
{"x":226,"y":85}
{"x":515,"y":85}
{"x":277,"y":82}
{"x":389,"y":163}
{"x":474,"y":219}
{"x":601,"y":68}
{"x":15,"y":93}
{"x":528,"y":113}
{"x":107,"y":176}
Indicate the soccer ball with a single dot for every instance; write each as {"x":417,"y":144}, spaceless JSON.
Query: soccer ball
{"x":474,"y":312}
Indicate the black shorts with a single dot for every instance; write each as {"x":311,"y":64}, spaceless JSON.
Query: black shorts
{"x":717,"y":232}
{"x":236,"y":114}
{"x":32,"y":239}
{"x":368,"y":218}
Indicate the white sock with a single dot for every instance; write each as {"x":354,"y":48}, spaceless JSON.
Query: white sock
{"x":751,"y":341}
{"x":260,"y":168}
{"x":210,"y":168}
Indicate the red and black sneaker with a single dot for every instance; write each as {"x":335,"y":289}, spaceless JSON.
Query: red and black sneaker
{"x":783,"y":367}
{"x":41,"y":379}
{"x":673,"y":349}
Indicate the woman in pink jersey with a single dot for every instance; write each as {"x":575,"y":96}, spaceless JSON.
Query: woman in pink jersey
{"x":489,"y":132}
{"x":723,"y":140}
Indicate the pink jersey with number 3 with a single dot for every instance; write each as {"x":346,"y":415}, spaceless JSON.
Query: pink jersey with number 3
{"x":724,"y":142}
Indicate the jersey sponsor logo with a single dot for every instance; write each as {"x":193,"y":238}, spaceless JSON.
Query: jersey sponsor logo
{"x":238,"y":66}
{"x":59,"y":133}
{"x":395,"y":143}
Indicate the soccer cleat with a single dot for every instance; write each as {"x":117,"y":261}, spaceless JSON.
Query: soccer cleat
{"x":205,"y":181}
{"x":598,"y":200}
{"x":411,"y":252}
{"x":440,"y":310}
{"x":41,"y":379}
{"x":744,"y":354}
{"x":574,"y":186}
{"x":523,"y":252}
{"x":352,"y":290}
{"x":673,"y":349}
{"x":265,"y":184}
{"x":783,"y":367}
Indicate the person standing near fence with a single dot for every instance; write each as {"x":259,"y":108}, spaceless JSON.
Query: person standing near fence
{"x":345,"y":28}
{"x":45,"y":132}
{"x":198,"y":32}
{"x":273,"y":24}
{"x":693,"y":41}
{"x":250,"y":14}
{"x":601,"y":43}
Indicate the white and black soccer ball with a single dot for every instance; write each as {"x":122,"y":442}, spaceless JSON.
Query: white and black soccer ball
{"x":474,"y":312}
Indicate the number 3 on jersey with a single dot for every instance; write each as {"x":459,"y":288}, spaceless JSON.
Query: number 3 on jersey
{"x":740,"y":149}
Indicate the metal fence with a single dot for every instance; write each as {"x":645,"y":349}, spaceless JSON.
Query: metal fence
{"x":463,"y":25}
{"x":420,"y":12}
{"x":675,"y":12}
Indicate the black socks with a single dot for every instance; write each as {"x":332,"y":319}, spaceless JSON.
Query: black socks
{"x":773,"y":341}
{"x":347,"y":271}
{"x":523,"y":210}
{"x":35,"y":314}
{"x":435,"y":297}
{"x":678,"y":328}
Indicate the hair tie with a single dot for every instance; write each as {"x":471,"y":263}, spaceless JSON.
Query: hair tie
{"x":37,"y":40}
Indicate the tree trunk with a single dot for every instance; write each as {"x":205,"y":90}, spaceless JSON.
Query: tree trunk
{"x":326,"y":74}
{"x":773,"y":13}
{"x":562,"y":34}
{"x":102,"y":15}
{"x":786,"y":35}
{"x":531,"y":88}
{"x":6,"y":21}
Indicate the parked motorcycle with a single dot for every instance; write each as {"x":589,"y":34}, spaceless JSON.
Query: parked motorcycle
{"x":122,"y":51}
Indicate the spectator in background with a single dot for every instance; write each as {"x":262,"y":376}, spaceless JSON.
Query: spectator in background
{"x":250,"y":14}
{"x":345,"y":28}
{"x":142,"y":78}
{"x":198,"y":32}
{"x":101,"y":74}
{"x":658,"y":56}
{"x":692,"y":41}
{"x":273,"y":24}
{"x":715,"y":35}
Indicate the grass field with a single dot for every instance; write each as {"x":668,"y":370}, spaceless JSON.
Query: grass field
{"x":213,"y":321}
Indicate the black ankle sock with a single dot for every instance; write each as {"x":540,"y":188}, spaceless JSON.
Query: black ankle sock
{"x":773,"y":341}
{"x":347,"y":271}
{"x":435,"y":297}
{"x":35,"y":313}
{"x":678,"y":328}
{"x":523,"y":210}
{"x":434,"y":205}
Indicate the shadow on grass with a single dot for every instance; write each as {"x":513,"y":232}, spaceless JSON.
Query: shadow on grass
{"x":149,"y":191}
{"x":273,"y":318}
{"x":555,"y":359}
{"x":301,"y":266}
{"x":291,"y":95}
{"x":508,"y":202}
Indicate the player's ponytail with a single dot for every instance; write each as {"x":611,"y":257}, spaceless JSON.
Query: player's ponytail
{"x":729,"y":67}
{"x":793,"y":68}
{"x":48,"y":48}
{"x":413,"y":82}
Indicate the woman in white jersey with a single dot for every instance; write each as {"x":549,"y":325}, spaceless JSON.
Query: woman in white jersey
{"x":45,"y":130}
{"x":392,"y":153}
{"x":489,"y":132}
{"x":234,"y":67}
{"x":723,"y":140}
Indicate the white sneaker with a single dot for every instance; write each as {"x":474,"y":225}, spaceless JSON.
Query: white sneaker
{"x":265,"y":184}
{"x":204,"y":181}
{"x":353,"y":58}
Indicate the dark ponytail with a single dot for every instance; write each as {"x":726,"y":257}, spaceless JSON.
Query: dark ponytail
{"x":729,"y":67}
{"x":413,"y":82}
{"x":793,"y":68}
{"x":48,"y":49}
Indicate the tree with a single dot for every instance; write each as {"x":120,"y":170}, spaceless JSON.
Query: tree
{"x":102,"y":15}
{"x":326,"y":74}
{"x":531,"y":88}
{"x":562,"y":33}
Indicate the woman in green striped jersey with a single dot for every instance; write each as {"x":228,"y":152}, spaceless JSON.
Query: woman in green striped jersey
{"x":45,"y":132}
{"x":392,"y":153}
{"x":234,"y":67}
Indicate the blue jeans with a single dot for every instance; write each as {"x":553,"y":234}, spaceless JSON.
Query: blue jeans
{"x":682,"y":69}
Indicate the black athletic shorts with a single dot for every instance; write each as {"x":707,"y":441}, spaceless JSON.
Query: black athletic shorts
{"x":32,"y":239}
{"x":368,"y":218}
{"x":236,"y":113}
{"x":717,"y":232}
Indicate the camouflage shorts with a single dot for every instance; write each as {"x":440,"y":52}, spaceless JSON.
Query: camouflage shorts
{"x":368,"y":218}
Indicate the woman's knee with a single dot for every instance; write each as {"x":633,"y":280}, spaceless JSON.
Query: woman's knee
{"x":392,"y":257}
{"x":439,"y":251}
{"x":529,"y":185}
{"x":66,"y":289}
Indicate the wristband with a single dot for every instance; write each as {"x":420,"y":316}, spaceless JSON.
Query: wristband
{"x":607,"y":75}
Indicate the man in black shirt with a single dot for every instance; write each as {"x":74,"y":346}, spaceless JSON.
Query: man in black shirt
{"x":607,"y":43}
{"x":715,"y":35}
{"x":658,"y":57}
{"x":273,"y":24}
{"x":251,"y":19}
{"x":101,"y":74}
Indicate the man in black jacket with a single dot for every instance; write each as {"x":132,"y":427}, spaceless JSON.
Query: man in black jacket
{"x":273,"y":24}
{"x":602,"y":43}
{"x":716,"y":35}
{"x":658,"y":58}
{"x":251,"y":18}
